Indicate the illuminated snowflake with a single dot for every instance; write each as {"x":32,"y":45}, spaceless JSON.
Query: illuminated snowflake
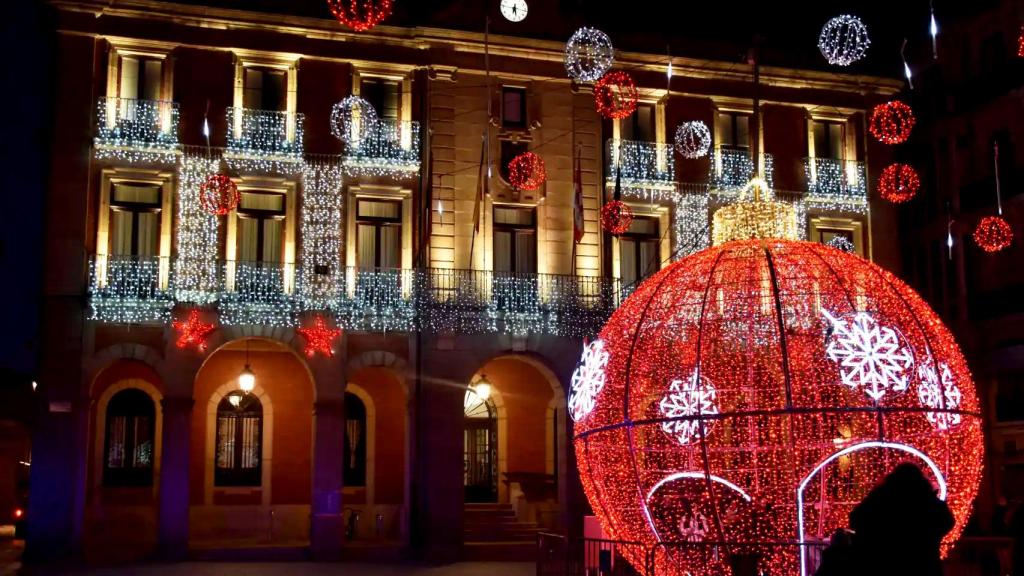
{"x":588,"y":380}
{"x":686,"y":399}
{"x":873,"y":357}
{"x":693,"y":527}
{"x":940,"y":393}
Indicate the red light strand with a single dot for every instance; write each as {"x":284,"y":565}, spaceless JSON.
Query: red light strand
{"x":360,"y":15}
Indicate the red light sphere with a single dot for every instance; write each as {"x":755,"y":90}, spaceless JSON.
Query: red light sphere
{"x":616,"y":216}
{"x":615,"y":95}
{"x":526,"y":171}
{"x":219,"y":195}
{"x":753,"y":393}
{"x":892,"y":122}
{"x":898,"y":183}
{"x":360,"y":15}
{"x":993,"y":234}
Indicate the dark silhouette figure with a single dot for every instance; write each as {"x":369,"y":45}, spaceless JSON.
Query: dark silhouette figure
{"x":899,"y":525}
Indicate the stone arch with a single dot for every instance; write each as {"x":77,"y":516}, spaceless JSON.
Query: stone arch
{"x":380,"y":358}
{"x":284,"y":344}
{"x":104,"y":358}
{"x":100,"y":427}
{"x":228,"y":334}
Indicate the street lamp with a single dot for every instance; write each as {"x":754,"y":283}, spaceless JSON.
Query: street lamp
{"x":482,"y":388}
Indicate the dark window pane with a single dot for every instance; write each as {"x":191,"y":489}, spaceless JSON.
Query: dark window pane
{"x":238,"y":455}
{"x":382,"y":94}
{"x":355,"y":441}
{"x":128,"y":457}
{"x":513,"y":107}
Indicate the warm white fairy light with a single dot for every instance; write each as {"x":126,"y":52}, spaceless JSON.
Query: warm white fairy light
{"x":196,"y":275}
{"x":389,"y":148}
{"x":733,"y":169}
{"x":588,"y":55}
{"x":644,"y":165}
{"x":257,"y":294}
{"x":320,"y":278}
{"x":844,"y":40}
{"x":264,"y":140}
{"x":140,"y":124}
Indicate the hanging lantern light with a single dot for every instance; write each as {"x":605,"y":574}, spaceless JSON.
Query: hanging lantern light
{"x":615,"y":95}
{"x":360,"y":15}
{"x":247,"y":380}
{"x":219,"y":195}
{"x":482,"y":388}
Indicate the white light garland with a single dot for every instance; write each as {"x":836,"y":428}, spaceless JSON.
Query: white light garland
{"x":841,"y":179}
{"x":139,"y":124}
{"x":842,"y":243}
{"x":264,"y":140}
{"x":733,"y":169}
{"x":352,"y":119}
{"x":197,"y":235}
{"x":587,"y":380}
{"x":389,"y":148}
{"x":686,"y":400}
{"x":588,"y":55}
{"x":128,"y":290}
{"x":693,"y":139}
{"x":320,"y":277}
{"x":256,"y":293}
{"x":644,"y":166}
{"x":844,"y":40}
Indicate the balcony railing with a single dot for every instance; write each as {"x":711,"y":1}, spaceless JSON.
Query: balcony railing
{"x":385,"y":147}
{"x":732,"y":169}
{"x":125,"y":123}
{"x":644,"y":165}
{"x":264,"y":134}
{"x":434,"y":300}
{"x":839,"y":179}
{"x":130,"y":289}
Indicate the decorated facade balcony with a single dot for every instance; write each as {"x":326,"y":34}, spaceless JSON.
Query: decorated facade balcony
{"x":136,"y":129}
{"x":732,"y":169}
{"x":386,"y":147}
{"x":257,"y":293}
{"x":836,"y":179}
{"x":130,"y":289}
{"x":264,"y":137}
{"x":645,"y":166}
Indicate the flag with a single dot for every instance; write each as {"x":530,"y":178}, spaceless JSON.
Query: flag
{"x":428,"y":223}
{"x":480,"y":185}
{"x":577,"y":202}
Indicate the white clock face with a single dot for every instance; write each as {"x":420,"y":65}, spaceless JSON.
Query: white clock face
{"x":513,"y":10}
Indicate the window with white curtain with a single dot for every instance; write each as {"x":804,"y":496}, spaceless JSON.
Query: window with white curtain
{"x":264,"y":89}
{"x":135,"y":220}
{"x":639,"y":254}
{"x":260,"y":231}
{"x":515,"y":240}
{"x":139,"y":78}
{"x":378,"y":233}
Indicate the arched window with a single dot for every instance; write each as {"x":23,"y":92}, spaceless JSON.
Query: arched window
{"x":355,"y":441}
{"x":480,"y":448}
{"x":128,"y":449}
{"x":239,"y":441}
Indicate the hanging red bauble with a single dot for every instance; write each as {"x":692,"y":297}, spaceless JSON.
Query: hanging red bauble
{"x":1020,"y":43}
{"x":616,"y":216}
{"x":360,"y":15}
{"x":526,"y":171}
{"x":219,"y":195}
{"x":898,"y":183}
{"x":615,"y":95}
{"x":743,"y":399}
{"x":993,"y":234}
{"x":892,"y":122}
{"x":319,"y":338}
{"x":193,"y":332}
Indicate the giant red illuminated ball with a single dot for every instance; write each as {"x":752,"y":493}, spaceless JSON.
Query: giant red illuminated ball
{"x":753,"y":393}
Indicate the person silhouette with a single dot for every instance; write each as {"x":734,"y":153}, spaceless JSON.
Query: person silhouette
{"x":898,"y":527}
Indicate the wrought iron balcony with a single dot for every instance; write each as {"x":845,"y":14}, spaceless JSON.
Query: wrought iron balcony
{"x":257,"y":293}
{"x":125,"y":126}
{"x":646,"y":166}
{"x":838,"y":179}
{"x":129,"y":289}
{"x":264,"y":135}
{"x":386,"y":147}
{"x":732,"y":168}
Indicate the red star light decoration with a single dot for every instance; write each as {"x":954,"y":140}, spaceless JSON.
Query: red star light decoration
{"x":193,"y":332}
{"x":319,"y":338}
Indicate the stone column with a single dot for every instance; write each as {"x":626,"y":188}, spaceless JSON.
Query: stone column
{"x":327,"y":526}
{"x":174,"y":477}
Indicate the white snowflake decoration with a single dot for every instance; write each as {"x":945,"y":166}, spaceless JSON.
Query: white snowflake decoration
{"x":588,"y":380}
{"x":937,"y":390}
{"x":844,"y":40}
{"x":693,"y":527}
{"x":872,"y":357}
{"x":686,"y":399}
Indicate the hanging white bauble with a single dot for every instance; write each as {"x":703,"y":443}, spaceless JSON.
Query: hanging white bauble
{"x":844,"y":40}
{"x":588,"y":55}
{"x":352,"y":119}
{"x":693,"y":139}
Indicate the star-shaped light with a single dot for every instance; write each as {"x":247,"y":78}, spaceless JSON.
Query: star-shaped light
{"x":319,"y":338}
{"x":193,"y":332}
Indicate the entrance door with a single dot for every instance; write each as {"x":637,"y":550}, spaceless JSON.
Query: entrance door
{"x":480,"y":449}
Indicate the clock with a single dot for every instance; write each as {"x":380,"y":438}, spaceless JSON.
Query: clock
{"x":513,"y":10}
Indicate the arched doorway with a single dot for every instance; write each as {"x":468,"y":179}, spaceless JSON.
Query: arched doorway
{"x":480,"y":448}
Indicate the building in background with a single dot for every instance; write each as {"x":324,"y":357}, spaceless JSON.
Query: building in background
{"x":969,"y":100}
{"x":435,"y":421}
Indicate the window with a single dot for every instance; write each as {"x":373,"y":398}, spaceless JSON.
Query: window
{"x":261,"y":227}
{"x":828,"y":139}
{"x":264,"y":89}
{"x":734,"y":130}
{"x":139,"y":78}
{"x":134,"y":220}
{"x":515,"y":240}
{"x":510,"y":150}
{"x":239,"y":441}
{"x":513,"y":107}
{"x":379,"y":233}
{"x":382,"y":94}
{"x":128,"y":450}
{"x":639,"y":126}
{"x":355,"y":441}
{"x":639,"y":253}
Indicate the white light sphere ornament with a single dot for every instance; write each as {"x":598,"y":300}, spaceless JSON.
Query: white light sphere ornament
{"x":693,"y":139}
{"x":844,"y":40}
{"x":588,"y":55}
{"x":352,"y":119}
